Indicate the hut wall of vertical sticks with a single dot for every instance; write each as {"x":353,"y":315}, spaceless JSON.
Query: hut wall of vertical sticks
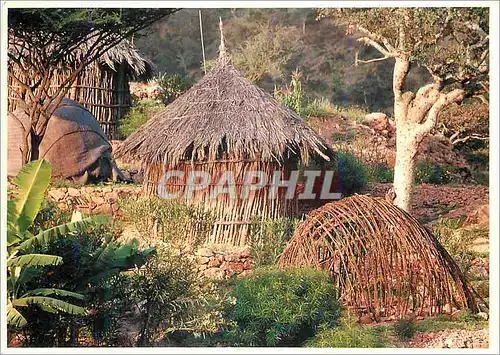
{"x":102,"y":87}
{"x":224,"y":123}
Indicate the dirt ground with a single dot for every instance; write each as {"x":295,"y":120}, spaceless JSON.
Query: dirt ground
{"x":431,"y":202}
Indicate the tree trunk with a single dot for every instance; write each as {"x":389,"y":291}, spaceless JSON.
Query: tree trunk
{"x":73,"y":335}
{"x":406,"y":151}
{"x":35,"y":145}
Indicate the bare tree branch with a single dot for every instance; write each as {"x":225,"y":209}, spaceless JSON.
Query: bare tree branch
{"x":357,"y":60}
{"x":370,"y":42}
{"x":377,"y":38}
{"x":444,"y":100}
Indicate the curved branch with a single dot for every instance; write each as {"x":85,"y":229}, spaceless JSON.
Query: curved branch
{"x":377,"y":38}
{"x":444,"y":100}
{"x":357,"y":60}
{"x":370,"y":42}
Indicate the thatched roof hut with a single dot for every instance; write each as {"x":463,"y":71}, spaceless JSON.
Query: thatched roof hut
{"x":103,"y":86}
{"x":225,"y":123}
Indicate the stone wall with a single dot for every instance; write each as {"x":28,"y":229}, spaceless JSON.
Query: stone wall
{"x":223,"y":264}
{"x":92,"y":199}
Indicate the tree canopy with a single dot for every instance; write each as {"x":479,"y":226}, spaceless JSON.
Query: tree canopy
{"x":451,"y":43}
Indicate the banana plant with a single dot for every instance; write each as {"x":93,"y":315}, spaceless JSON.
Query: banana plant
{"x":31,"y":184}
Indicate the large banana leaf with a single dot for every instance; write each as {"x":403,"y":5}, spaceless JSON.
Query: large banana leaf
{"x":54,"y":291}
{"x":104,"y":256}
{"x":31,"y":182}
{"x":33,"y":260}
{"x":45,"y":237}
{"x":14,"y":317}
{"x":49,"y":303}
{"x":11,"y":217}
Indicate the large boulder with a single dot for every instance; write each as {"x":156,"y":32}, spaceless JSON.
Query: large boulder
{"x":74,"y":143}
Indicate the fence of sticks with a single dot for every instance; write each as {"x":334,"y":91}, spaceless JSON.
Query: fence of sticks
{"x":234,"y":209}
{"x":382,"y":260}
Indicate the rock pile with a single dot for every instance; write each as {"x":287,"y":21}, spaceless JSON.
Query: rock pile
{"x":92,"y":199}
{"x":220,"y":265}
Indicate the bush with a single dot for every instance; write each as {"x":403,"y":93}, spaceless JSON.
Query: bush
{"x":281,"y":307}
{"x":174,"y":305}
{"x":162,"y":291}
{"x":404,"y":329}
{"x":380,"y":173}
{"x":268,"y":238}
{"x":140,"y":112}
{"x":353,"y":174}
{"x":319,"y":108}
{"x":458,"y":241}
{"x":93,"y":266}
{"x":173,"y":86}
{"x":350,"y":172}
{"x":463,"y":320}
{"x":429,"y":173}
{"x":350,"y":335}
{"x":291,"y":96}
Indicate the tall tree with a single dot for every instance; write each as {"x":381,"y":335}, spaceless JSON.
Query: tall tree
{"x":43,"y":40}
{"x":451,"y":43}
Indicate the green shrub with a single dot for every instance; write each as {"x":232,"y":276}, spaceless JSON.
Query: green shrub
{"x":268,"y":238}
{"x":404,"y":329}
{"x":162,"y":292}
{"x":351,"y":335}
{"x":464,"y":320}
{"x":380,"y":173}
{"x":140,"y":112}
{"x":324,"y":108}
{"x":281,"y":307}
{"x":429,"y":173}
{"x":348,"y":169}
{"x":319,"y":108}
{"x":173,"y":86}
{"x":458,"y":241}
{"x":291,"y":96}
{"x":93,"y":267}
{"x":354,"y":113}
{"x":353,"y":174}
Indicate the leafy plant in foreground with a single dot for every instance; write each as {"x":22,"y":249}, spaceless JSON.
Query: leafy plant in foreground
{"x":31,"y":183}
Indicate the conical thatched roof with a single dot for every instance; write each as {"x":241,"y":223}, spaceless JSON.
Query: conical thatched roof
{"x":224,"y":113}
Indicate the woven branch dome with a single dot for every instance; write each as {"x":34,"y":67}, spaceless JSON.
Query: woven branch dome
{"x":382,"y":260}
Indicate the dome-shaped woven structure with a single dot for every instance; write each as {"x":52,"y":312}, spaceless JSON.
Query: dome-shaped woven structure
{"x":381,"y":259}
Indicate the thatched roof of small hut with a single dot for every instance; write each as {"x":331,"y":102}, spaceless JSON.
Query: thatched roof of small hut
{"x":224,"y":113}
{"x":124,"y":52}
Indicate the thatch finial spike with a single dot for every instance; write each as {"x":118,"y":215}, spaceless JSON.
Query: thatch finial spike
{"x":222,"y":47}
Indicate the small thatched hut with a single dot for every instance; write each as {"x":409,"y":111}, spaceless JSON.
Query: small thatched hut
{"x":102,"y":88}
{"x":225,"y":123}
{"x":383,"y":262}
